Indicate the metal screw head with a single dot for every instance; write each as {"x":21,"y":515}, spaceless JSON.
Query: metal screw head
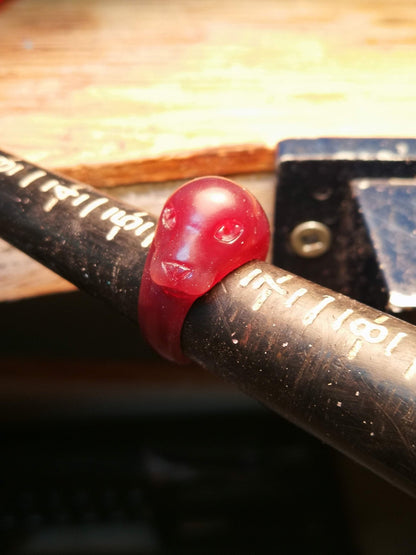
{"x":310,"y":239}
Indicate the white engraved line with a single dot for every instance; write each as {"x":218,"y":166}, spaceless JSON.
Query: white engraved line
{"x":258,"y":303}
{"x":108,"y":213}
{"x":265,"y":294}
{"x":82,"y":198}
{"x":355,"y":349}
{"x":18,"y":168}
{"x":284,"y":279}
{"x":8,"y":165}
{"x":257,"y":283}
{"x":48,"y":185}
{"x":92,"y":206}
{"x":147,"y":241}
{"x":30,"y":178}
{"x":272,"y":283}
{"x":5,"y":163}
{"x":394,"y":342}
{"x":112,"y":233}
{"x":411,"y":371}
{"x":295,"y":297}
{"x":381,"y":319}
{"x":341,"y":319}
{"x":312,"y":314}
{"x":246,"y":280}
{"x":62,"y":192}
{"x":140,"y":230}
{"x":50,"y":204}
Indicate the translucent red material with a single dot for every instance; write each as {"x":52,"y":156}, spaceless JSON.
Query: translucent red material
{"x":207,"y":228}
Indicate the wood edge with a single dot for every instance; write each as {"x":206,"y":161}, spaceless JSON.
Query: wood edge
{"x":22,"y":292}
{"x":90,"y":371}
{"x":227,"y":160}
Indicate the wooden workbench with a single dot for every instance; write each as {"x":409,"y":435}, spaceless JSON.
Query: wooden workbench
{"x":99,"y":83}
{"x":122,"y":92}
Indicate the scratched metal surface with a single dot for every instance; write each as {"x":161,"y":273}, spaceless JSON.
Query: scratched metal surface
{"x":389,"y":209}
{"x":341,"y":370}
{"x":91,"y":239}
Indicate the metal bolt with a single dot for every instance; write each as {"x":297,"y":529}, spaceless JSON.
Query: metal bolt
{"x":310,"y":239}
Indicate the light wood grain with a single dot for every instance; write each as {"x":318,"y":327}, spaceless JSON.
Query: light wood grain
{"x":103,"y":82}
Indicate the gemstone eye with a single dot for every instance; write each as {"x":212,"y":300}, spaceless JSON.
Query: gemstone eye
{"x":229,"y":231}
{"x":169,"y":218}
